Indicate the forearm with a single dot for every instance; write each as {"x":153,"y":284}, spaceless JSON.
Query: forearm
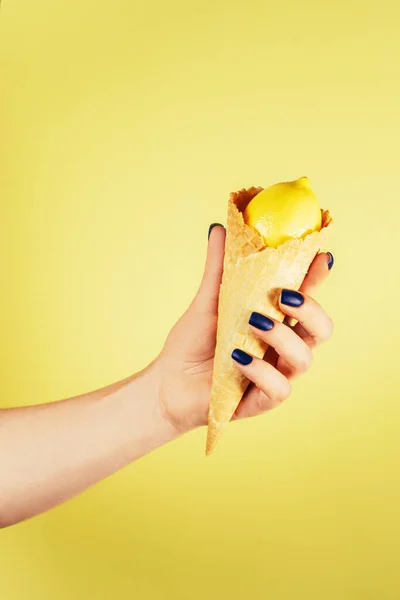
{"x":51,"y":452}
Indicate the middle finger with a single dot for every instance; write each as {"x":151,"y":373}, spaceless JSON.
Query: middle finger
{"x":287,"y":344}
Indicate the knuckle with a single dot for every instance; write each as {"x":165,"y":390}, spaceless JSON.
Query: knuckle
{"x":305,"y":361}
{"x":284,"y":390}
{"x":273,"y":392}
{"x":327,"y":332}
{"x":263,"y":402}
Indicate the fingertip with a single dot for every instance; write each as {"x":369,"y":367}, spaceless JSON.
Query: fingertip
{"x":317,"y":273}
{"x":260,"y":322}
{"x":216,"y":239}
{"x":241,"y":357}
{"x":323,"y":260}
{"x":291,"y":298}
{"x":212,"y":227}
{"x":211,"y":281}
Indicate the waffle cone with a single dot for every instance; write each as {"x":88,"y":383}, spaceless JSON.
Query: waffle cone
{"x":252,"y":279}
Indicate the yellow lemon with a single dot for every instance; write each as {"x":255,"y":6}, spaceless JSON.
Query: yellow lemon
{"x":283,"y":211}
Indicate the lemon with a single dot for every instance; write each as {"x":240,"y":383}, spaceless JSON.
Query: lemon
{"x":284,"y":211}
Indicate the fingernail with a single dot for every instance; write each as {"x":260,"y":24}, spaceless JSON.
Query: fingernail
{"x":291,"y":298}
{"x":331,"y":260}
{"x":261,"y":321}
{"x":212,"y":227}
{"x":241,"y":357}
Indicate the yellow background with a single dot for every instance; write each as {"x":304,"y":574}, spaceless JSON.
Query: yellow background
{"x":124,"y":125}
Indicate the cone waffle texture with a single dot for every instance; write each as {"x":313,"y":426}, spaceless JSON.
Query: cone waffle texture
{"x":252,"y":279}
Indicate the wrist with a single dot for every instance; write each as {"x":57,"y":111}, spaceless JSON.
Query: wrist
{"x":144,"y":425}
{"x":154,"y":377}
{"x":162,"y":376}
{"x":181,"y":395}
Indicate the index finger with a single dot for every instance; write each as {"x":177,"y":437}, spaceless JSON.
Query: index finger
{"x":317,"y":273}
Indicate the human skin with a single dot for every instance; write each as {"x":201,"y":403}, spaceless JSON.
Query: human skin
{"x":52,"y":452}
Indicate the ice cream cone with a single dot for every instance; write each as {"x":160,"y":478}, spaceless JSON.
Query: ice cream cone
{"x":252,"y":279}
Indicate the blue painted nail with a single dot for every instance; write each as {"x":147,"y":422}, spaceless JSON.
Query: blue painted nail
{"x":331,"y":260}
{"x":241,"y":357}
{"x":212,"y":227}
{"x":261,"y":321}
{"x":291,"y":298}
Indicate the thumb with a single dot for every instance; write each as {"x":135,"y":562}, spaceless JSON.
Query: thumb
{"x":207,"y":295}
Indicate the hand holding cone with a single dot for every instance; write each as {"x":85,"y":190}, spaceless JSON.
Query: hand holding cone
{"x":253,"y":275}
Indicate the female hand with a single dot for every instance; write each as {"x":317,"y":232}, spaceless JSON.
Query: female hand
{"x":186,"y":361}
{"x":54,"y":451}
